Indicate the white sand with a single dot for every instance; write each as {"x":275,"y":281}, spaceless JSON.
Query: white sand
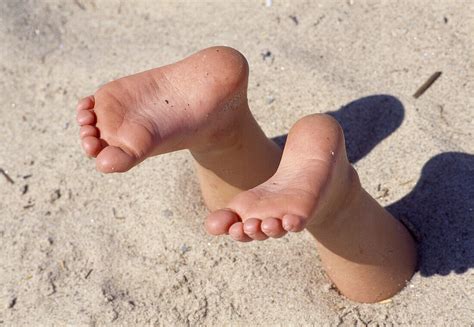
{"x":83,"y":248}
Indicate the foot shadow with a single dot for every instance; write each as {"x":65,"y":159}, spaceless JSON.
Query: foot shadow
{"x":365,"y":122}
{"x":440,"y":213}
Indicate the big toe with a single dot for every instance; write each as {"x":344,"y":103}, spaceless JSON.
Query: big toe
{"x":113,"y":159}
{"x":219,"y":222}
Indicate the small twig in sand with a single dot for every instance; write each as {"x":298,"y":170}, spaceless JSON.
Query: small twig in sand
{"x":9,"y":179}
{"x":426,"y":85}
{"x":88,"y":274}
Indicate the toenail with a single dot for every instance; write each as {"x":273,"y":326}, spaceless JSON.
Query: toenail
{"x":249,"y":230}
{"x":289,"y":226}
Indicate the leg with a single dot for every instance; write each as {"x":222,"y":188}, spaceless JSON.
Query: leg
{"x":225,"y":172}
{"x":367,"y":253}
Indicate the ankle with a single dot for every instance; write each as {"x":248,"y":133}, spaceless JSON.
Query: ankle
{"x":240,"y":131}
{"x":342,"y":211}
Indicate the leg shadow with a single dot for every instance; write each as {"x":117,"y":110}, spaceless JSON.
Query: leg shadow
{"x":365,"y":122}
{"x":440,"y":213}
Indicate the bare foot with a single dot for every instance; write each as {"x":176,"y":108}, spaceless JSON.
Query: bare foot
{"x":189,"y":104}
{"x":198,"y":103}
{"x":313,"y":181}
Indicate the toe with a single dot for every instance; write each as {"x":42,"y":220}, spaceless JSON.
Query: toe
{"x":236,"y":231}
{"x":219,"y":222}
{"x":86,"y":103}
{"x":273,"y":227}
{"x":293,"y":223}
{"x":91,"y":145}
{"x":88,"y":130}
{"x":252,"y":229}
{"x":113,"y":159}
{"x":85,"y":117}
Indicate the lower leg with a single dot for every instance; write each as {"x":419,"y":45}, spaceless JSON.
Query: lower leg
{"x":366,"y":252}
{"x":247,"y":158}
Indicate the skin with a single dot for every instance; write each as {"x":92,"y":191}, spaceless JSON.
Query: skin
{"x":253,"y":189}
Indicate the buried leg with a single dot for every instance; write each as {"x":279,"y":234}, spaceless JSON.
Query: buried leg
{"x":366,"y":252}
{"x":198,"y":103}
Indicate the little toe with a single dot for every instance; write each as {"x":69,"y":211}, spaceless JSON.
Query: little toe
{"x":113,"y":159}
{"x":273,"y":227}
{"x":86,"y":103}
{"x":219,"y":222}
{"x":293,"y":223}
{"x":236,"y":231}
{"x":91,"y":145}
{"x":85,"y":117}
{"x":88,"y":130}
{"x":252,"y":229}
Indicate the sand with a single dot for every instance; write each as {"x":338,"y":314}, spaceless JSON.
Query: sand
{"x":82,"y":248}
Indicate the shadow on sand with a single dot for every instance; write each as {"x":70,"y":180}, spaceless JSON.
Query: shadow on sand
{"x":365,"y":122}
{"x":439,"y":211}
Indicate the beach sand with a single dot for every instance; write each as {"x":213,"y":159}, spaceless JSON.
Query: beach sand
{"x":83,"y":248}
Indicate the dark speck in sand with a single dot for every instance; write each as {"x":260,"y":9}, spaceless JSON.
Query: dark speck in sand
{"x":184,"y":248}
{"x":24,"y":189}
{"x":167,"y":101}
{"x":445,"y":19}
{"x":294,"y":19}
{"x":12,"y":303}
{"x":167,"y":213}
{"x":266,"y":54}
{"x":56,"y":195}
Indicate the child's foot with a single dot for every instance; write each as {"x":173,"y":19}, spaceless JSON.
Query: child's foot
{"x":198,"y":103}
{"x":314,"y":181}
{"x":193,"y":103}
